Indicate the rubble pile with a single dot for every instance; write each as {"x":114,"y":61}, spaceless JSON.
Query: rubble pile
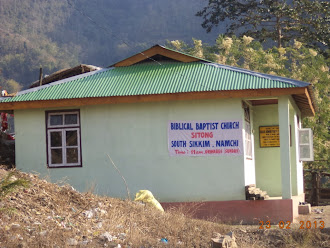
{"x":46,"y":214}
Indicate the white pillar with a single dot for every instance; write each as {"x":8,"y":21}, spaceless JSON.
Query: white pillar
{"x":284,"y":122}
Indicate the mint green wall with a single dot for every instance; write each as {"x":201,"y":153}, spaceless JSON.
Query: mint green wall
{"x":267,"y":160}
{"x":296,"y":165}
{"x":135,"y":136}
{"x":293,"y":152}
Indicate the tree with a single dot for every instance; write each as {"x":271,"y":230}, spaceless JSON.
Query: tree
{"x":293,"y":61}
{"x":279,"y":20}
{"x":10,"y":85}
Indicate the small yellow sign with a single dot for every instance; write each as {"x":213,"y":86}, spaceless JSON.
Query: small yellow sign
{"x":269,"y":136}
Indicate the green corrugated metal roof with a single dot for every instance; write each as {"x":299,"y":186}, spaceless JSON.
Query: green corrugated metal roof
{"x":151,"y":78}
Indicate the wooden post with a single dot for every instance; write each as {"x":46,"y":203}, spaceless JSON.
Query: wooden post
{"x":40,"y":76}
{"x":315,"y":197}
{"x":317,"y":189}
{"x":313,"y":190}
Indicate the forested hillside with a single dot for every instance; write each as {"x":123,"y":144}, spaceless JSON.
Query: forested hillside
{"x":60,"y":34}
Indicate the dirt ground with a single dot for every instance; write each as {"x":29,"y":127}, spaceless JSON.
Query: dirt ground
{"x":49,"y":215}
{"x":319,"y":215}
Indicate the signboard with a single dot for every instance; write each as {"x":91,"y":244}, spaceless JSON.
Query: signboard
{"x":205,"y":138}
{"x":269,"y":136}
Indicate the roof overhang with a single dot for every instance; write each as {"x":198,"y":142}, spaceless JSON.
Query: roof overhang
{"x":301,"y":96}
{"x":306,"y":102}
{"x":156,"y":50}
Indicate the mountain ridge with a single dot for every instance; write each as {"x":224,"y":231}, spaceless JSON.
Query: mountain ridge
{"x":61,"y":34}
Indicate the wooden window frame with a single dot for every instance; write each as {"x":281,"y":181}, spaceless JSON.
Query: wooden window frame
{"x":63,"y":128}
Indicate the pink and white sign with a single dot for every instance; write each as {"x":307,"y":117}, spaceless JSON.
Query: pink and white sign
{"x":205,"y":138}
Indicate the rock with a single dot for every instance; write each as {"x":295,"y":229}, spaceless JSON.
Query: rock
{"x":83,"y":242}
{"x":103,"y":212}
{"x":89,"y":214}
{"x":72,"y":242}
{"x":224,"y":241}
{"x":15,"y":226}
{"x":43,"y":233}
{"x":106,"y":237}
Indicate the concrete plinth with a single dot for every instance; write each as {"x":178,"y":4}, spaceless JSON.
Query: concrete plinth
{"x":241,"y":211}
{"x":304,"y":209}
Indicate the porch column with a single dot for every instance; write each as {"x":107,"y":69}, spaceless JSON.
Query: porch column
{"x":283,"y":114}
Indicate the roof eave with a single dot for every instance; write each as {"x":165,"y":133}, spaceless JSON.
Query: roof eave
{"x":304,"y":102}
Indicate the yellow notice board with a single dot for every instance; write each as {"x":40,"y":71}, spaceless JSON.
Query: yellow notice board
{"x":269,"y":136}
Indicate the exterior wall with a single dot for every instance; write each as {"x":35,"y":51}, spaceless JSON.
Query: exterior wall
{"x":30,"y":141}
{"x":135,"y":136}
{"x":298,"y":181}
{"x":268,"y":164}
{"x":294,"y":175}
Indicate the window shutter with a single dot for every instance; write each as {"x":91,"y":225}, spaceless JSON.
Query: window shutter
{"x":306,"y":152}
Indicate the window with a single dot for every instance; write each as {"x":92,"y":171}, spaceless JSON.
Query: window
{"x":306,"y":145}
{"x":63,"y":139}
{"x":247,"y":128}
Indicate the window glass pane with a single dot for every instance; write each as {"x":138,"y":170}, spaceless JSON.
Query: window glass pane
{"x":248,"y":143}
{"x":56,"y":120}
{"x":72,"y":138}
{"x":247,"y":127}
{"x":56,"y":156}
{"x":304,"y":137}
{"x":304,"y":151}
{"x":72,"y":155}
{"x":71,"y":119}
{"x":247,"y":114}
{"x":55,"y":139}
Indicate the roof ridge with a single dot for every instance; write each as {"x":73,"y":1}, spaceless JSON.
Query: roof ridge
{"x":187,"y":54}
